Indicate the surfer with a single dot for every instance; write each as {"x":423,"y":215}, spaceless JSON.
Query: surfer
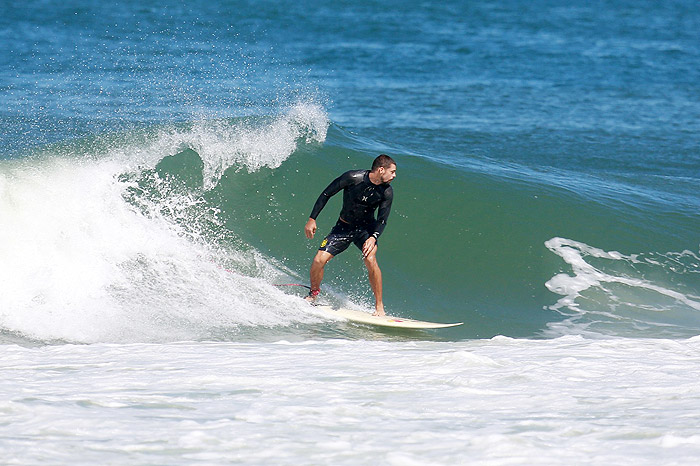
{"x":364,"y":192}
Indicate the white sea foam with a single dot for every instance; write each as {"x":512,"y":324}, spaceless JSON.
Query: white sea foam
{"x":503,"y":401}
{"x":82,"y":264}
{"x":616,"y":289}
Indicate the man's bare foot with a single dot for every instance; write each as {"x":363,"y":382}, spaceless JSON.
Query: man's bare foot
{"x":379,"y":312}
{"x":311,"y":298}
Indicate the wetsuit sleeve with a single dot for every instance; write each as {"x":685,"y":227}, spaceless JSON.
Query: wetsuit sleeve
{"x":331,"y":190}
{"x":383,"y":212}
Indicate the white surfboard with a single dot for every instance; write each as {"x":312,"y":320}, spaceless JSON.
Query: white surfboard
{"x":380,"y":321}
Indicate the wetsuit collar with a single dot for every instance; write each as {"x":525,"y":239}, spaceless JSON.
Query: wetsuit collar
{"x":369,"y":173}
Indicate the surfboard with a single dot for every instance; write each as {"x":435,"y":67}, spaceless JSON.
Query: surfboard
{"x":379,"y":321}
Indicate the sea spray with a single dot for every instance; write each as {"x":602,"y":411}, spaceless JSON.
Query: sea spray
{"x":87,"y":256}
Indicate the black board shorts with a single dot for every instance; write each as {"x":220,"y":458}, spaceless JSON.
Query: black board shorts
{"x":341,"y":235}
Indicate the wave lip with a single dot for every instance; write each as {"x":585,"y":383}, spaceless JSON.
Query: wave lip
{"x":250,"y":143}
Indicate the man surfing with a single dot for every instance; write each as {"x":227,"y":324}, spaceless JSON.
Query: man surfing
{"x":364,"y":192}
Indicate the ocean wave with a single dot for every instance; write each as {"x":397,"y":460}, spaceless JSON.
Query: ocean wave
{"x":179,"y":232}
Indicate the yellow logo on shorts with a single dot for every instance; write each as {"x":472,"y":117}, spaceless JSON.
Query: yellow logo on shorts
{"x":324,"y":242}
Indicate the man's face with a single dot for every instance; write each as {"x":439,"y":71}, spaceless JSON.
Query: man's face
{"x":387,"y":174}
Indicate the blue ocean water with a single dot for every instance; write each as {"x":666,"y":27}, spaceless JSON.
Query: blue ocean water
{"x":158,"y":161}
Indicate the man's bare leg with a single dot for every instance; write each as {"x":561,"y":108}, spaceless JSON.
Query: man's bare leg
{"x":316,"y":273}
{"x":375,"y":281}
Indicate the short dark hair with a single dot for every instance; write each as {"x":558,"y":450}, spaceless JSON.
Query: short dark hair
{"x":382,"y":161}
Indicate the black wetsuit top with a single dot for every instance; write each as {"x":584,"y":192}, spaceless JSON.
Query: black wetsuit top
{"x":361,"y":198}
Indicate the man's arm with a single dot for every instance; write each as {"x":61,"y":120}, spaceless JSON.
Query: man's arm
{"x":383,"y":212}
{"x":380,"y":224}
{"x":331,"y":190}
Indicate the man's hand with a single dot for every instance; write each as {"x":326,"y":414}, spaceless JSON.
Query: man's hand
{"x":369,"y":245}
{"x":310,"y":228}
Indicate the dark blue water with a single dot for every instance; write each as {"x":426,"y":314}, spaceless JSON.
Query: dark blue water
{"x":514,"y":123}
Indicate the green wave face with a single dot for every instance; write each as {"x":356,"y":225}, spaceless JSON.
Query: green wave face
{"x":468,"y":243}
